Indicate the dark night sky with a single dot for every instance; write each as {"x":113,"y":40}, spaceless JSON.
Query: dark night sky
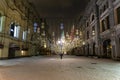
{"x":56,"y":11}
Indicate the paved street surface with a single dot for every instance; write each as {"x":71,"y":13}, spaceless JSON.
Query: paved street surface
{"x":53,"y":68}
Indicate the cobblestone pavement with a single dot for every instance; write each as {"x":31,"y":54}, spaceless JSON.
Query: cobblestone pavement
{"x":53,"y":68}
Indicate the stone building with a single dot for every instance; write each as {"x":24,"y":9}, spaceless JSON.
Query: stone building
{"x":16,"y":27}
{"x":100,"y":26}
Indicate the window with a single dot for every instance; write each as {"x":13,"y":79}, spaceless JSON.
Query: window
{"x":118,"y":15}
{"x":24,"y":35}
{"x":87,"y":24}
{"x":104,"y":7}
{"x":93,"y":31}
{"x":93,"y":17}
{"x":105,"y":24}
{"x":35,"y":27}
{"x":12,"y":26}
{"x":16,"y":31}
{"x":100,"y":11}
{"x":0,"y":23}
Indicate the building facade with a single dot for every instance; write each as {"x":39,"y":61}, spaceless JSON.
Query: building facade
{"x":16,"y":28}
{"x":100,"y":26}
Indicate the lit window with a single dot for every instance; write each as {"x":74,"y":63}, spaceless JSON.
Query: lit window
{"x":16,"y":31}
{"x":24,"y":35}
{"x":93,"y":31}
{"x":35,"y":27}
{"x":0,"y":23}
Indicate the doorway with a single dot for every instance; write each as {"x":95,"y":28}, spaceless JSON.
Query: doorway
{"x":107,"y":51}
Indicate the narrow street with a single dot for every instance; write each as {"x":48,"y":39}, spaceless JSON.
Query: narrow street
{"x":53,"y":68}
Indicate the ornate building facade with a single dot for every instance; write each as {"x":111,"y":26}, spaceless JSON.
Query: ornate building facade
{"x":16,"y":28}
{"x":100,"y":27}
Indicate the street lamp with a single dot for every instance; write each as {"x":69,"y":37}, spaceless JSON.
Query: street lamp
{"x":83,"y":43}
{"x":61,"y":42}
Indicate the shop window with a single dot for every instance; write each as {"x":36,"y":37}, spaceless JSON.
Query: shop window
{"x":118,"y":15}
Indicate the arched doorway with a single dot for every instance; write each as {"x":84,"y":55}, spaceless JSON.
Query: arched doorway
{"x":107,"y":51}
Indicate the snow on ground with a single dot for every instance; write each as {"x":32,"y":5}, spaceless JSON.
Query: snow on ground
{"x":53,"y":68}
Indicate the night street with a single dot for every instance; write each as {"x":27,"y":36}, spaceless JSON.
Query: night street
{"x":53,"y":68}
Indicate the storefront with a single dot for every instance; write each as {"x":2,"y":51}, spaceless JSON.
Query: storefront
{"x":13,"y":50}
